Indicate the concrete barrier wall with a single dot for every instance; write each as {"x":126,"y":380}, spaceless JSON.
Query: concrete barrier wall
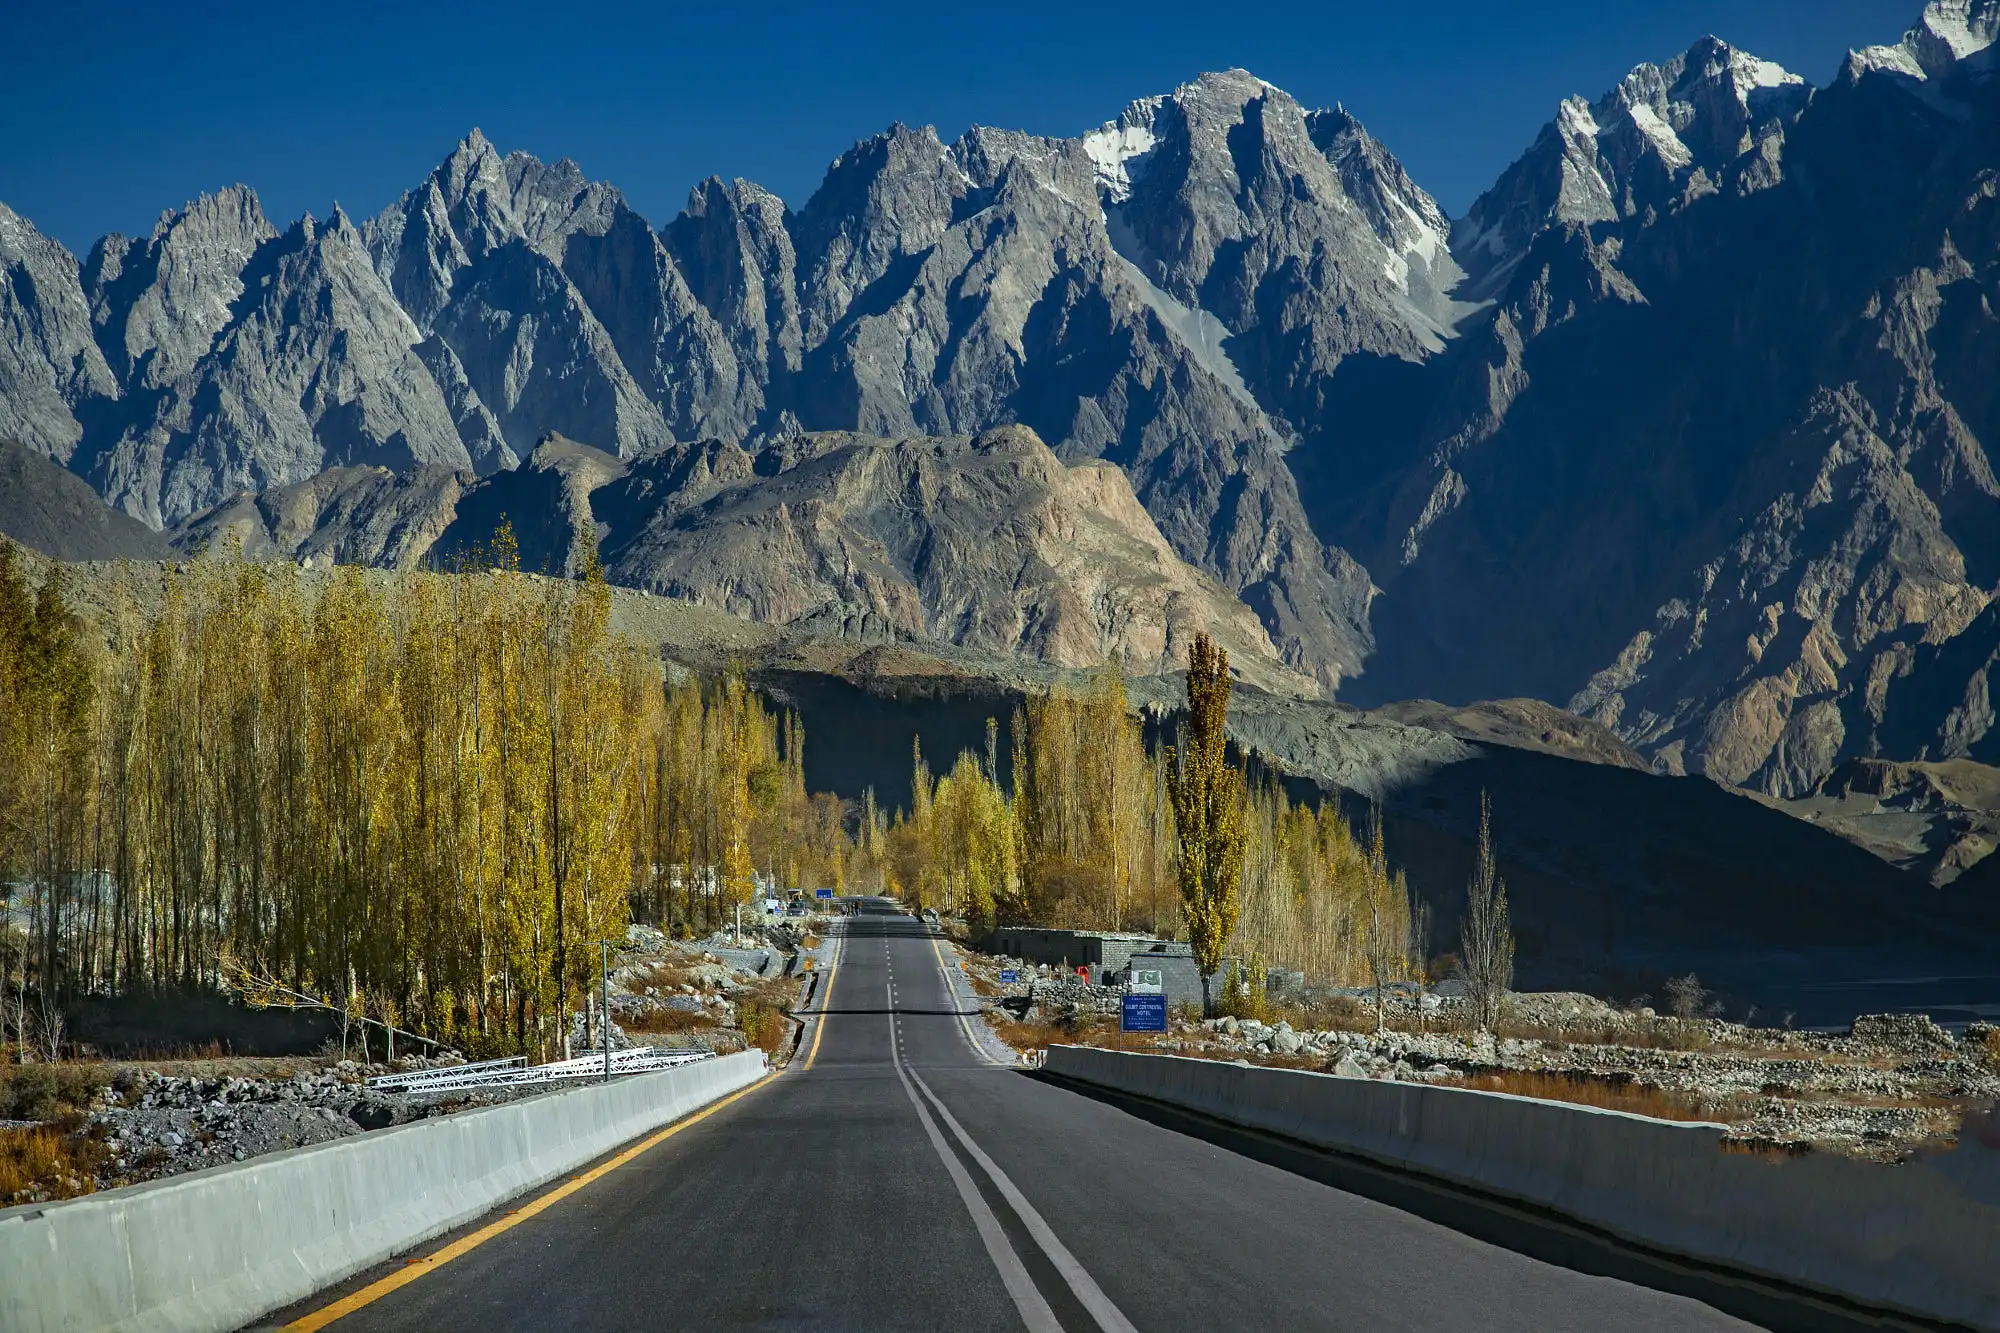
{"x":1922,"y":1237}
{"x":215,"y":1249}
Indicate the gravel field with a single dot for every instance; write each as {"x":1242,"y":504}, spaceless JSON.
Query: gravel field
{"x":1892,"y":1086}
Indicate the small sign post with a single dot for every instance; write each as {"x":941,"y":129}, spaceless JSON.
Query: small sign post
{"x":1143,"y":1013}
{"x":1009,"y":975}
{"x":823,"y":894}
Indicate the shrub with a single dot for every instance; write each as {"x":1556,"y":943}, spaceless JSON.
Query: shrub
{"x":1243,"y":994}
{"x":1992,"y":1044}
{"x":763,"y":1027}
{"x":669,"y":1020}
{"x":43,"y":1092}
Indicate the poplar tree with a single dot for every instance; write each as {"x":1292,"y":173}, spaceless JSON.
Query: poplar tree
{"x":1486,"y":934}
{"x":1207,"y":797}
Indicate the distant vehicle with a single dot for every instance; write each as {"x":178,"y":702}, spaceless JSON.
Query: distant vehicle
{"x":795,"y":909}
{"x":930,"y":915}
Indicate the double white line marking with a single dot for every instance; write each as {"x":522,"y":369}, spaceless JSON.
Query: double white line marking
{"x":1034,"y":1309}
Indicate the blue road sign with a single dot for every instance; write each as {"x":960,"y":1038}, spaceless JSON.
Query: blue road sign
{"x":1143,"y":1013}
{"x":1008,"y":974}
{"x":822,"y":893}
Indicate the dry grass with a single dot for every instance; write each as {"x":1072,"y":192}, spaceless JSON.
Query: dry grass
{"x":52,"y":1162}
{"x":1091,"y":1031}
{"x":1605,"y":1094}
{"x":981,"y":986}
{"x":670,"y":1020}
{"x":664,"y":977}
{"x":1662,"y":1037}
{"x":1992,"y":1048}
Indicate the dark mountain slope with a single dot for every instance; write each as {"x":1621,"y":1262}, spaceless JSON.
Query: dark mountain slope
{"x":55,"y":512}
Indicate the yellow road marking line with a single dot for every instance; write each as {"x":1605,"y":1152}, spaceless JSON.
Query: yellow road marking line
{"x":415,"y":1268}
{"x":826,"y":998}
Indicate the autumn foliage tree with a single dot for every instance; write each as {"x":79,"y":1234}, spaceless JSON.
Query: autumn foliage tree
{"x":424,"y":797}
{"x":1207,"y":795}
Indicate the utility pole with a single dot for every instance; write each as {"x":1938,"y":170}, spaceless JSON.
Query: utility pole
{"x":605,"y":946}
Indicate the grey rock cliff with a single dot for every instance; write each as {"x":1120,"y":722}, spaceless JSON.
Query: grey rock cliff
{"x":1664,"y":137}
{"x":1729,"y":444}
{"x":50,"y":366}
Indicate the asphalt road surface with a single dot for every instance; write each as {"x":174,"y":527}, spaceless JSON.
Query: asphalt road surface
{"x":900,"y":1182}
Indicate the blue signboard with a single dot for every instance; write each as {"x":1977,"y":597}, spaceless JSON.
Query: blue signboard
{"x":1009,"y":975}
{"x":822,"y":893}
{"x":1144,"y":1013}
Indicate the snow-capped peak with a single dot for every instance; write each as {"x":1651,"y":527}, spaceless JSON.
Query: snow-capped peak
{"x":1702,"y":110}
{"x":1963,"y":27}
{"x":1118,"y":148}
{"x":1948,"y":36}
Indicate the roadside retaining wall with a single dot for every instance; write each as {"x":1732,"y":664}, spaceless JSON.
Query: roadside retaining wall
{"x":1922,"y":1237}
{"x":215,"y":1249}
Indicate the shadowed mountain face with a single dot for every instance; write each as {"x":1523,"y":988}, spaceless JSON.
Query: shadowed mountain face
{"x":53,"y":511}
{"x":1714,"y":469}
{"x":1683,"y":427}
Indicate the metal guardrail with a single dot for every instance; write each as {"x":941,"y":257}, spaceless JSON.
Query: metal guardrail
{"x":417,"y":1078}
{"x":515,"y":1072}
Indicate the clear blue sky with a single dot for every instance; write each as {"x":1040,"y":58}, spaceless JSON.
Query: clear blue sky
{"x":113,"y":112}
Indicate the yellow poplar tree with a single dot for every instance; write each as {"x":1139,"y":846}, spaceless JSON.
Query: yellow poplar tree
{"x":1207,"y":797}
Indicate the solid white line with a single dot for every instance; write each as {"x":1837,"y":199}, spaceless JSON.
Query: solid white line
{"x":964,"y":1021}
{"x":1034,"y":1310}
{"x":1108,"y":1316}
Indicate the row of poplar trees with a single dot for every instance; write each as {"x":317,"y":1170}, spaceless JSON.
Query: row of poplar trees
{"x":427,"y":797}
{"x":1092,"y":829}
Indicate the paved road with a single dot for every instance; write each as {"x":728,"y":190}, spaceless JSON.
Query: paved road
{"x":902,"y":1183}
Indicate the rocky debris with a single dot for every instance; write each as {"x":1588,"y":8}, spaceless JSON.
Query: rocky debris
{"x":587,"y":1035}
{"x":161,"y":1125}
{"x":689,"y":994}
{"x":1893,"y":1085}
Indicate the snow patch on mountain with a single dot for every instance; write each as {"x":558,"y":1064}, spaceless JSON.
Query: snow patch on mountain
{"x":1951,"y":37}
{"x":1668,"y":144}
{"x":1205,"y":337}
{"x":1119,"y":148}
{"x":1700,"y":111}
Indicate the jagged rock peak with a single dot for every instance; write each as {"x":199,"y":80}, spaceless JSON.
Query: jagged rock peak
{"x":1949,"y":38}
{"x":1666,"y":134}
{"x":49,"y":361}
{"x":1402,"y":212}
{"x":1119,"y":148}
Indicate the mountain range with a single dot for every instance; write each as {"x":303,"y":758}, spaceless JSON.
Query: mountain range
{"x":1682,"y":427}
